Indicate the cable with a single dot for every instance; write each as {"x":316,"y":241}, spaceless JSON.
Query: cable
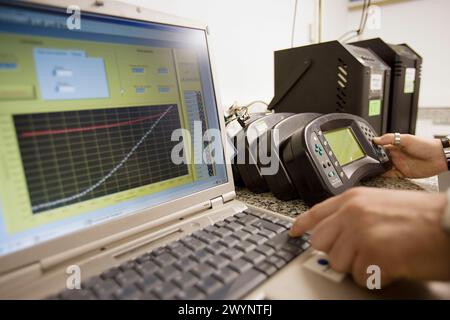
{"x":362,"y":24}
{"x":293,"y":24}
{"x":256,"y":101}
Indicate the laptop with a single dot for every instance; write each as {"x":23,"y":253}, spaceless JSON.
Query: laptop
{"x":101,"y":105}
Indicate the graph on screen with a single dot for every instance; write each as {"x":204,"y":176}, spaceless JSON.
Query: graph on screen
{"x":74,"y":156}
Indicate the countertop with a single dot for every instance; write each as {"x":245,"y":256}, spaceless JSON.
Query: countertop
{"x":293,"y":208}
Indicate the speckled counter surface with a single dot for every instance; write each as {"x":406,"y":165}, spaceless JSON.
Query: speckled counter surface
{"x":293,"y":208}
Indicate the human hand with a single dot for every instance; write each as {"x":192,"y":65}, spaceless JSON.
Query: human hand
{"x":399,"y":231}
{"x":415,"y":157}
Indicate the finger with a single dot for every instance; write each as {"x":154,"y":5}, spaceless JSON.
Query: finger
{"x":343,"y":252}
{"x":385,"y":139}
{"x":325,"y":233}
{"x":308,"y":220}
{"x":389,"y":139}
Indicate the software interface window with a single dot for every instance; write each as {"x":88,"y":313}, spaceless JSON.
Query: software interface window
{"x":76,"y":152}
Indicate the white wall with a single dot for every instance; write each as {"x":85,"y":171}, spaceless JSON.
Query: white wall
{"x":244,"y":34}
{"x":425,"y":26}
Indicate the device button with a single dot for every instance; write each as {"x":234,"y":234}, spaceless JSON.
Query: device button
{"x":331,"y":174}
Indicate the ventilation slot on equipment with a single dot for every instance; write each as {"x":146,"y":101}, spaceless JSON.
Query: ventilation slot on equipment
{"x":342,"y":76}
{"x":398,"y":68}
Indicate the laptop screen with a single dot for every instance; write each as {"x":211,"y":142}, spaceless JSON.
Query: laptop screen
{"x":94,"y":120}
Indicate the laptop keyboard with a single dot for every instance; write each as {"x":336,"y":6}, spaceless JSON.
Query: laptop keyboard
{"x":222,"y":261}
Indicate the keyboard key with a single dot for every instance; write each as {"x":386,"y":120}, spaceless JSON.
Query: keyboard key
{"x":184,"y":280}
{"x":192,"y":294}
{"x":271,"y":218}
{"x":128,"y":265}
{"x":106,"y":288}
{"x":216,"y":248}
{"x":240,"y":265}
{"x":232,"y":254}
{"x":130,"y":292}
{"x":206,"y":237}
{"x":266,"y":250}
{"x":159,"y":251}
{"x":222,"y":232}
{"x":248,"y":220}
{"x":220,"y":224}
{"x":285,"y":223}
{"x":195,"y":244}
{"x":91,"y":282}
{"x":201,"y":255}
{"x":148,"y":267}
{"x":276,"y":261}
{"x":144,"y":258}
{"x":267,"y":233}
{"x":167,"y":273}
{"x":181,"y":252}
{"x":240,"y":235}
{"x":202,"y":270}
{"x":229,"y":241}
{"x":209,"y":285}
{"x":127,"y":277}
{"x":226,"y":275}
{"x":165,"y":290}
{"x":233,"y":226}
{"x":240,"y":215}
{"x":174,"y":245}
{"x":245,"y":246}
{"x":165,"y":259}
{"x":230,"y":219}
{"x":262,"y":224}
{"x":237,"y":288}
{"x":217,"y":262}
{"x":148,"y":282}
{"x":254,"y":257}
{"x":257,"y":239}
{"x":210,"y":229}
{"x":286,"y":256}
{"x":267,"y":268}
{"x":250,"y":229}
{"x":110,"y":273}
{"x":185,"y":264}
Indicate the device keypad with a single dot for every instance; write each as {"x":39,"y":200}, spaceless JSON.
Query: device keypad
{"x":325,"y":157}
{"x":379,"y":150}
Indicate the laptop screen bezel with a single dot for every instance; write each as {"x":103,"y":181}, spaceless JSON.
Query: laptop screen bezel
{"x":96,"y":236}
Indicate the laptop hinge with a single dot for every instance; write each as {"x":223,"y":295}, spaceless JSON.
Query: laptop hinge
{"x":219,"y":201}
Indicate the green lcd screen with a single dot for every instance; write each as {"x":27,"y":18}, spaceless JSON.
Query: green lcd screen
{"x":344,"y":145}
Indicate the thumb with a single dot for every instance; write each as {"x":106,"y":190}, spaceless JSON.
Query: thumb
{"x":385,"y":139}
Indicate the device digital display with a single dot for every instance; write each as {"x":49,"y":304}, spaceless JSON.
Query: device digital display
{"x":344,"y":145}
{"x":86,"y":119}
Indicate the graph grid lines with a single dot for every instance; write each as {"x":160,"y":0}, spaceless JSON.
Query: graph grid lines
{"x":73,"y":156}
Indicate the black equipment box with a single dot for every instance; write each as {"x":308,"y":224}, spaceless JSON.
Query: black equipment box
{"x":280,"y":184}
{"x":332,"y":77}
{"x":406,"y":67}
{"x":234,"y":129}
{"x":331,"y":154}
{"x":248,"y":146}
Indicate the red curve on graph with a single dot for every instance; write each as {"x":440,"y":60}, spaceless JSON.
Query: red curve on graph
{"x":30,"y":134}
